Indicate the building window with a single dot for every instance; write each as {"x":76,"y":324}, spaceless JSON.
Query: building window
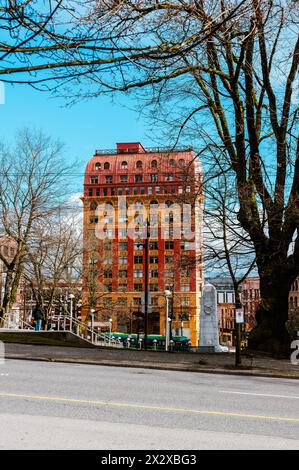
{"x":154,"y":287}
{"x":169,"y":259}
{"x":168,"y":245}
{"x":142,"y":190}
{"x":153,"y":259}
{"x":157,"y":189}
{"x":169,"y":177}
{"x":112,"y":191}
{"x":138,"y":273}
{"x":138,"y":246}
{"x":108,"y":287}
{"x":123,"y":273}
{"x":94,"y":180}
{"x":90,"y":191}
{"x":123,"y":178}
{"x":97,"y":166}
{"x":135,"y":190}
{"x":107,"y":245}
{"x":150,"y":190}
{"x":93,"y":206}
{"x":139,"y":164}
{"x":123,"y":260}
{"x":107,"y":261}
{"x":138,"y":178}
{"x":153,"y":245}
{"x":138,"y":259}
{"x":97,"y":191}
{"x":93,"y":219}
{"x":185,"y":288}
{"x":123,"y":246}
{"x":138,"y":287}
{"x":172,"y":163}
{"x":105,"y":192}
{"x":109,"y":179}
{"x":122,"y":233}
{"x":119,"y":191}
{"x":136,"y":301}
{"x":127,"y":191}
{"x":124,"y":165}
{"x":108,"y":273}
{"x":154,"y":164}
{"x":168,"y":273}
{"x":154,"y":273}
{"x":154,"y":177}
{"x":181,"y":162}
{"x":106,"y":166}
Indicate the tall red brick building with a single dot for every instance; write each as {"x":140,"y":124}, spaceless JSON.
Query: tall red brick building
{"x":128,"y":192}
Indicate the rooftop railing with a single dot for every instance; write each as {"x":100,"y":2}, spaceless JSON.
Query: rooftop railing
{"x":141,"y":151}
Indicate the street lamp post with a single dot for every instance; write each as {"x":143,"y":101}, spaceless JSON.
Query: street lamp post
{"x":92,"y":322}
{"x":167,"y":294}
{"x":110,"y":330}
{"x":71,"y":297}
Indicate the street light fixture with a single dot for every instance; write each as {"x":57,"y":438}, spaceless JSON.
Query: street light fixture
{"x":92,"y":310}
{"x":71,"y":297}
{"x":110,"y":329}
{"x":167,"y":294}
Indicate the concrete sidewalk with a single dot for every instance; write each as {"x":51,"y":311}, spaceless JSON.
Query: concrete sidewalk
{"x":252,"y":365}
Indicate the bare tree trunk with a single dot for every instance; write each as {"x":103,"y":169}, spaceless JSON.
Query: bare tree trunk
{"x":271,"y":334}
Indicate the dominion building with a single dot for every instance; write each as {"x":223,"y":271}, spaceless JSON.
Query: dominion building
{"x":142,"y":237}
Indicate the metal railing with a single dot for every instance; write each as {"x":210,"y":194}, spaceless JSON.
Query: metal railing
{"x":147,"y":150}
{"x":64,"y":323}
{"x":80,"y":329}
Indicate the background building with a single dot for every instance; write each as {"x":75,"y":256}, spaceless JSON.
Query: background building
{"x":123,"y":190}
{"x":250,"y":298}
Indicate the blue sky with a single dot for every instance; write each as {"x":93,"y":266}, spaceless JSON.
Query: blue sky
{"x":97,"y":123}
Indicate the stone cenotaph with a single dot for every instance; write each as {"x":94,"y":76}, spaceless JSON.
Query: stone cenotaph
{"x":209,"y":334}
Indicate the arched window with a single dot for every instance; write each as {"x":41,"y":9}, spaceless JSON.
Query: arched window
{"x":181,"y":162}
{"x":139,"y":164}
{"x":93,"y":206}
{"x":97,"y":166}
{"x":106,"y":166}
{"x":154,"y":164}
{"x":124,"y":165}
{"x":108,"y":206}
{"x":172,"y":163}
{"x":291,"y":302}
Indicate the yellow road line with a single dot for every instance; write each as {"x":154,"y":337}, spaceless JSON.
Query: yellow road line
{"x":148,"y":407}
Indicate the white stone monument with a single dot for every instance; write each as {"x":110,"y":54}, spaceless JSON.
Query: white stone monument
{"x":209,"y":334}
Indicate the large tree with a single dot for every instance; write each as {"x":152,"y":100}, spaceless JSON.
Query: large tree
{"x":230,"y":66}
{"x":33,"y":185}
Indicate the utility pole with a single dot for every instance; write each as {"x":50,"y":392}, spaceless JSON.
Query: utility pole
{"x":238,"y":360}
{"x":146,"y":249}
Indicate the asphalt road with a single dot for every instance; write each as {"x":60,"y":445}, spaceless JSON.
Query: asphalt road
{"x":70,"y":406}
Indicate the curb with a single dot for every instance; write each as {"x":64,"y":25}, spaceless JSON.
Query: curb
{"x":139,"y":365}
